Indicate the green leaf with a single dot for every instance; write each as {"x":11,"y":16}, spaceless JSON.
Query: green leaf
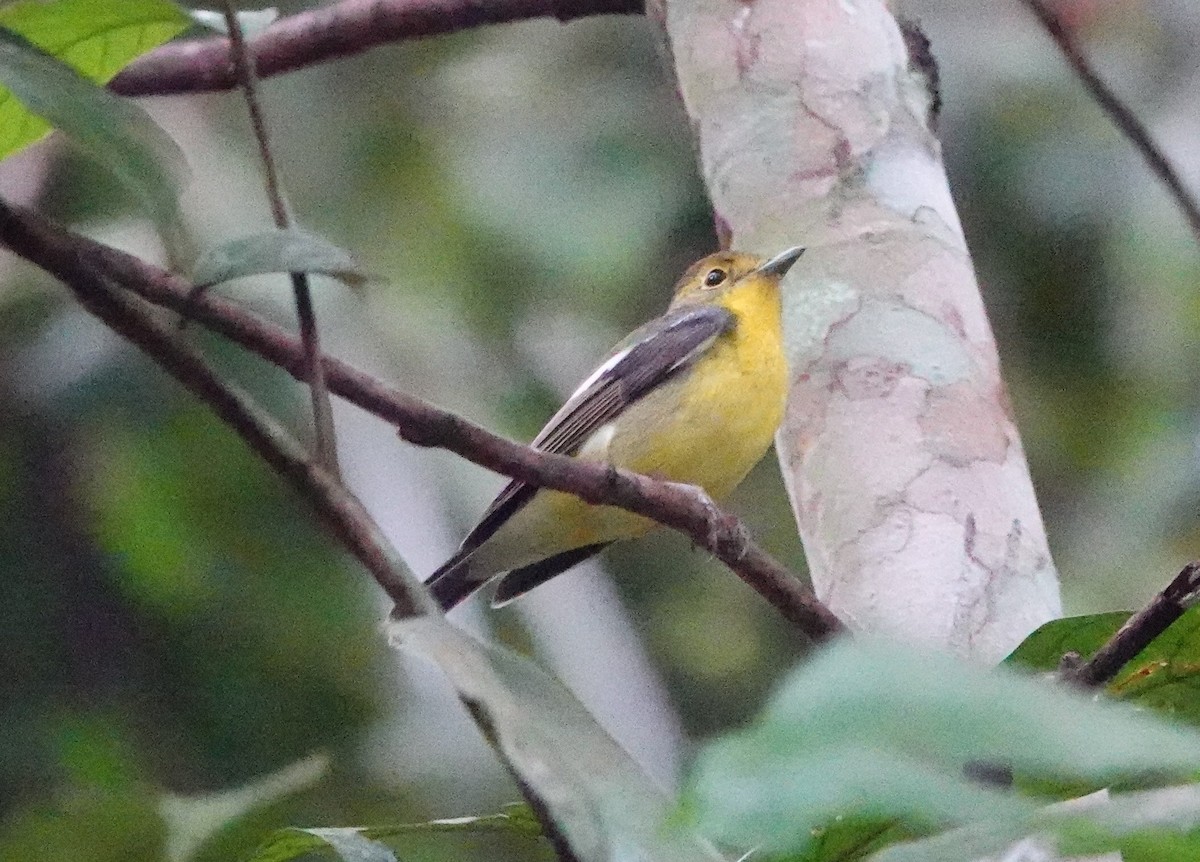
{"x":348,"y":843}
{"x":977,"y":841}
{"x":81,"y":823}
{"x":881,"y":730}
{"x":1161,"y":822}
{"x":1153,"y":826}
{"x":1044,"y":649}
{"x":517,"y":819}
{"x":364,"y":844}
{"x":192,"y":820}
{"x":744,"y":801}
{"x":601,"y":802}
{"x":115,"y":132}
{"x":279,"y":250}
{"x":1164,"y":677}
{"x":1158,"y":845}
{"x":845,"y":839}
{"x":96,"y":38}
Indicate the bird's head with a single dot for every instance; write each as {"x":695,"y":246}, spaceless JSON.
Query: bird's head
{"x":719,"y":273}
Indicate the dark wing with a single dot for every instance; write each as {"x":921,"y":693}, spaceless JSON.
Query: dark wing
{"x":647,"y":358}
{"x":520,"y":581}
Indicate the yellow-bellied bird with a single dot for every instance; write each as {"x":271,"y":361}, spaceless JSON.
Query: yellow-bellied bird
{"x":693,"y":396}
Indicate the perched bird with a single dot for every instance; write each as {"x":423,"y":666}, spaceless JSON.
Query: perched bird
{"x":693,"y":396}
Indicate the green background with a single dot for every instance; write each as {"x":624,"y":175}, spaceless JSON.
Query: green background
{"x":171,"y":618}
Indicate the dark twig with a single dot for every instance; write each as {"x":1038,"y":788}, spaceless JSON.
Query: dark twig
{"x":1139,"y":630}
{"x":336,"y":30}
{"x":60,"y":253}
{"x":326,"y":437}
{"x":1118,"y":112}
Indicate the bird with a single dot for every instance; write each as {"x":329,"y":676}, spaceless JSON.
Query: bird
{"x":692,"y":397}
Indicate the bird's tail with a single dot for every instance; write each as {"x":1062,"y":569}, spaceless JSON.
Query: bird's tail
{"x":454,"y":581}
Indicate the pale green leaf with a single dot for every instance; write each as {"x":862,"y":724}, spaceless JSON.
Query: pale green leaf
{"x":602,"y":803}
{"x":115,"y":132}
{"x":192,"y":820}
{"x":780,"y":801}
{"x":880,"y":730}
{"x":1160,"y":825}
{"x":276,"y":251}
{"x":347,"y":843}
{"x":365,"y":844}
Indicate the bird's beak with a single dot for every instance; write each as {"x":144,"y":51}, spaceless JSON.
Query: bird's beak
{"x":781,"y":263}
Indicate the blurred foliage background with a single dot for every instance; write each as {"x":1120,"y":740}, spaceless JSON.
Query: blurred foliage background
{"x":173,"y":619}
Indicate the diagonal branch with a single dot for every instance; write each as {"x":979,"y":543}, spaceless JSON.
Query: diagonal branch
{"x":70,"y":257}
{"x":337,"y":30}
{"x":1122,"y":117}
{"x":1139,"y":630}
{"x":345,"y":515}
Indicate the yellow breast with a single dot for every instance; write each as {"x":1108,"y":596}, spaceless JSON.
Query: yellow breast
{"x":713,"y":425}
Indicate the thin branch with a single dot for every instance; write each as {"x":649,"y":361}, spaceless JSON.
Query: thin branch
{"x":1119,"y":113}
{"x":62,"y":253}
{"x":1139,"y":630}
{"x":248,"y":81}
{"x":326,"y":437}
{"x":337,"y":30}
{"x":347,"y":517}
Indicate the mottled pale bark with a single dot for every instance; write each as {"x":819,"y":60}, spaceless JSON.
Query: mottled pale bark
{"x":904,"y":465}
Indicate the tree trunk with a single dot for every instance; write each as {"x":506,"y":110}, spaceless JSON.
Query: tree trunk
{"x":905,"y":469}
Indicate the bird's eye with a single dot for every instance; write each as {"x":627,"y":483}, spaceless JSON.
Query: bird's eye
{"x":714,"y":277}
